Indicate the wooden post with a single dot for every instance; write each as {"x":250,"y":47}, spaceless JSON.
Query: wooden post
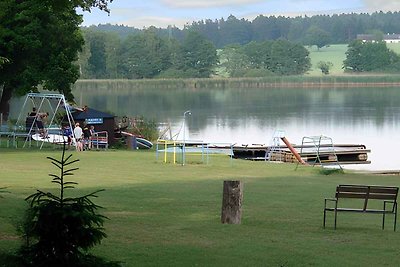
{"x":232,"y":197}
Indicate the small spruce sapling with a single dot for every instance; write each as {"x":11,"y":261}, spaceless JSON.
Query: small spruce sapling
{"x":58,"y":229}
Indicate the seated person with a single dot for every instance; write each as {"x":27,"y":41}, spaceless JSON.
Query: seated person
{"x":40,"y":117}
{"x":33,"y":112}
{"x":30,"y":121}
{"x":29,"y":124}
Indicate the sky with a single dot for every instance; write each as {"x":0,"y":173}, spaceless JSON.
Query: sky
{"x":162,"y":13}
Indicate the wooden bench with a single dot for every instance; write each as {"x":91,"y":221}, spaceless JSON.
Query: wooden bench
{"x":368,"y":195}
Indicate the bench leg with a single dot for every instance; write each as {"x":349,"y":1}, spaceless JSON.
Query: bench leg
{"x":324,"y":213}
{"x":395,"y":217}
{"x":335,"y":215}
{"x":383,"y":216}
{"x":335,"y":220}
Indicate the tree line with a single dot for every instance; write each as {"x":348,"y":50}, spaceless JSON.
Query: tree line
{"x":336,"y":29}
{"x":148,"y":55}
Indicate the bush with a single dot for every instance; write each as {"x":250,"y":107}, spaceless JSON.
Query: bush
{"x":325,"y":67}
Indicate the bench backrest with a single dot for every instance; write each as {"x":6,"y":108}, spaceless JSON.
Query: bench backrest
{"x":367,"y":192}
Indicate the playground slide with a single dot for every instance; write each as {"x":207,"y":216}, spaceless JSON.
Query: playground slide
{"x":293,"y":150}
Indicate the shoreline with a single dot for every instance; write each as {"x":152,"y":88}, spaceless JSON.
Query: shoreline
{"x":266,"y":82}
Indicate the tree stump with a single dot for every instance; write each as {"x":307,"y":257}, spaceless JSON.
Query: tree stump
{"x":232,"y":197}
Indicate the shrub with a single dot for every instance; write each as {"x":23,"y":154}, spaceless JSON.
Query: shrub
{"x":325,"y":67}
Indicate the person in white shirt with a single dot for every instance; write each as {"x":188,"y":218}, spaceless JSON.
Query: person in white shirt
{"x":78,"y":133}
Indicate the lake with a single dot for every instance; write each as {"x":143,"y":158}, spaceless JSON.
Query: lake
{"x":369,"y":116}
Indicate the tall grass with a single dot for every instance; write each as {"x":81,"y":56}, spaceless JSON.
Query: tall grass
{"x":124,"y":86}
{"x":168,"y":215}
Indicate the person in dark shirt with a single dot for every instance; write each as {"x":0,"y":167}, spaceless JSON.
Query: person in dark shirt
{"x":86,"y":136}
{"x":67,"y":132}
{"x":33,"y":112}
{"x":30,"y":121}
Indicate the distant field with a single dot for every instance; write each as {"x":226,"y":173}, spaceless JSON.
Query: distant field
{"x":335,"y":54}
{"x":395,"y":47}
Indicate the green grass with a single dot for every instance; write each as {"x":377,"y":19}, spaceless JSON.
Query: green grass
{"x":395,"y":47}
{"x":169,"y":215}
{"x":333,"y":53}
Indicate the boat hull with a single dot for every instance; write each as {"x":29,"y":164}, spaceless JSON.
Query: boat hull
{"x":143,"y":143}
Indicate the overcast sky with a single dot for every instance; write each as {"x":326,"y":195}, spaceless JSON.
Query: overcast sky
{"x":161,"y":13}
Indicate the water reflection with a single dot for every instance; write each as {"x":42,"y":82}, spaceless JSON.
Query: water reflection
{"x":367,"y":116}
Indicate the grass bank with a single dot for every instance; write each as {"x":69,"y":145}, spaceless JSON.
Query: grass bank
{"x":168,"y":215}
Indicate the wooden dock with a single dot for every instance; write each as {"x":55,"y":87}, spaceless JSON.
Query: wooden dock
{"x":345,"y":153}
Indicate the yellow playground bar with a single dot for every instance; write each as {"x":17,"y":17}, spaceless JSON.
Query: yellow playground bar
{"x":180,"y":149}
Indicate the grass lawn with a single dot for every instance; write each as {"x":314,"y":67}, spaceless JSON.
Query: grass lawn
{"x":169,"y":215}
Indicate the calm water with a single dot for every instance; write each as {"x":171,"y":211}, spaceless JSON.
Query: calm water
{"x":369,"y":116}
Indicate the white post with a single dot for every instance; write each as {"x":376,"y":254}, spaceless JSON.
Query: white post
{"x":184,"y":140}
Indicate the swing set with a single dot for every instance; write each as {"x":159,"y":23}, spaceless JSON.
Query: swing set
{"x":59,"y":113}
